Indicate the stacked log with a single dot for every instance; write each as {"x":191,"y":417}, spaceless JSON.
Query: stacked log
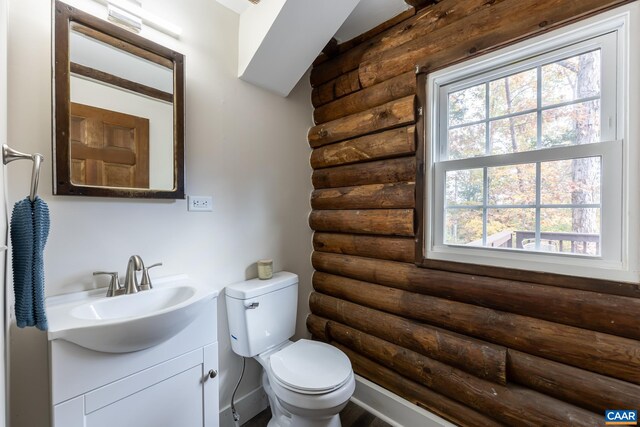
{"x":477,"y":346}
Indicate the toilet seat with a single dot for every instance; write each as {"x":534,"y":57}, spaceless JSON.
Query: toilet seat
{"x":310,"y":367}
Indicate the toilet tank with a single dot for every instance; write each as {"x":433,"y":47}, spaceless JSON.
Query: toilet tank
{"x":262,"y":313}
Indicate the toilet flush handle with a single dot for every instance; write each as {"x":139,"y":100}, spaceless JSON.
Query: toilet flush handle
{"x":250,"y":305}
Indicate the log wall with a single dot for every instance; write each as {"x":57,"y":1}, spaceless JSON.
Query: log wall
{"x":474,"y":346}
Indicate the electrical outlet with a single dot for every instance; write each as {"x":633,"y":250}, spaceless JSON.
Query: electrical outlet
{"x":200,"y":203}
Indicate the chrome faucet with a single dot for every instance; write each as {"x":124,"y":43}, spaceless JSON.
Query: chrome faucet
{"x":145,"y":283}
{"x":130,"y":279}
{"x":114,"y":284}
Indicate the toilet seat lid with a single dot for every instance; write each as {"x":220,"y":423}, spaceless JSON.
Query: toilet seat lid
{"x":310,"y":366}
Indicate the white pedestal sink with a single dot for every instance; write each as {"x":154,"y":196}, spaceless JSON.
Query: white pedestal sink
{"x":127,"y":323}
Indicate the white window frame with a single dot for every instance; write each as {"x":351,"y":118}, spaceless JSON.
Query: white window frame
{"x":611,"y":32}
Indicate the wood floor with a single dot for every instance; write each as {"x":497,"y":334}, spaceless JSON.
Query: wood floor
{"x":351,"y":416}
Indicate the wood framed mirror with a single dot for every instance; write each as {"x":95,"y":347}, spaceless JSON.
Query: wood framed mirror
{"x":118,"y":111}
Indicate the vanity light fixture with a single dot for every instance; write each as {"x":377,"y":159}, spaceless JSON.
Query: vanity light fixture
{"x":132,"y":15}
{"x":123,"y":18}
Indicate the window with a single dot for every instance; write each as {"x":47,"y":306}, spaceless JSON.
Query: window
{"x":525,"y":155}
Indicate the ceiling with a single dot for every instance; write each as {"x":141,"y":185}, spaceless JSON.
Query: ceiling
{"x":367,"y":15}
{"x":279,"y":39}
{"x":238,"y":6}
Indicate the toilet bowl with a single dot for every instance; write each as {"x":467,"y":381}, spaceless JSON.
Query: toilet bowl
{"x":307,"y":382}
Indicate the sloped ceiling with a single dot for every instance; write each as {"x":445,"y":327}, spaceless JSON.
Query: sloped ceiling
{"x":367,"y":15}
{"x":279,"y":39}
{"x":238,"y":6}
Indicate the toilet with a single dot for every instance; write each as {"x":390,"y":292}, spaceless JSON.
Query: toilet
{"x":307,"y":382}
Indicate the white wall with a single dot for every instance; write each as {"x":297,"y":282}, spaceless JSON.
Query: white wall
{"x":3,"y":217}
{"x":159,"y":113}
{"x":245,"y":147}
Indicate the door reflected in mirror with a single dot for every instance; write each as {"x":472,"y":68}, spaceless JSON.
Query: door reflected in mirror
{"x":122,"y":134}
{"x":109,"y":148}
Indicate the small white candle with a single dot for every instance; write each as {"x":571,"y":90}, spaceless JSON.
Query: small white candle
{"x":265,"y":269}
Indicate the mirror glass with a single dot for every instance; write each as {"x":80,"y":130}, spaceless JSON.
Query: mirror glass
{"x":122,"y":134}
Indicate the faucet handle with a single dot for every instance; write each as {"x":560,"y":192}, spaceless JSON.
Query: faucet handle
{"x":145,"y":283}
{"x":114,"y":283}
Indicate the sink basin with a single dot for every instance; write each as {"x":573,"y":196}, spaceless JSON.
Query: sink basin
{"x":140,"y":304}
{"x":127,"y":323}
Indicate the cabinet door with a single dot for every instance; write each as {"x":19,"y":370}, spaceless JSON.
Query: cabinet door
{"x":177,"y":393}
{"x":210,"y":388}
{"x":174,"y":402}
{"x":69,"y":413}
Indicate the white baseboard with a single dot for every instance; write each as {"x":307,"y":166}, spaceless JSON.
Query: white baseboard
{"x":393,"y":409}
{"x":385,"y":405}
{"x":248,"y":406}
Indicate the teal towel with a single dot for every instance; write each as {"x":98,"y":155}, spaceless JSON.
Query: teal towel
{"x":29,"y":232}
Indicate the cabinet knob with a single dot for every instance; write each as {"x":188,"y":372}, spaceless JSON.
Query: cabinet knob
{"x":213,"y":373}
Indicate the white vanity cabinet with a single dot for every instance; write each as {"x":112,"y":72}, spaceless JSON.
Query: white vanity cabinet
{"x":167,"y":385}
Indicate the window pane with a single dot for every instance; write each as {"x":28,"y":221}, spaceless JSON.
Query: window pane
{"x":467,"y":141}
{"x":574,"y":181}
{"x":467,"y":105}
{"x":512,"y":185}
{"x":503,"y":225}
{"x":571,"y":79}
{"x":574,"y":230}
{"x":463,"y":226}
{"x":464,"y":187}
{"x":514,"y":134}
{"x":514,"y":93}
{"x":574,"y":124}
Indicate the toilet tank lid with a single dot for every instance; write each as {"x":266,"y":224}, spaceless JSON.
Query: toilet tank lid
{"x":256,"y":287}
